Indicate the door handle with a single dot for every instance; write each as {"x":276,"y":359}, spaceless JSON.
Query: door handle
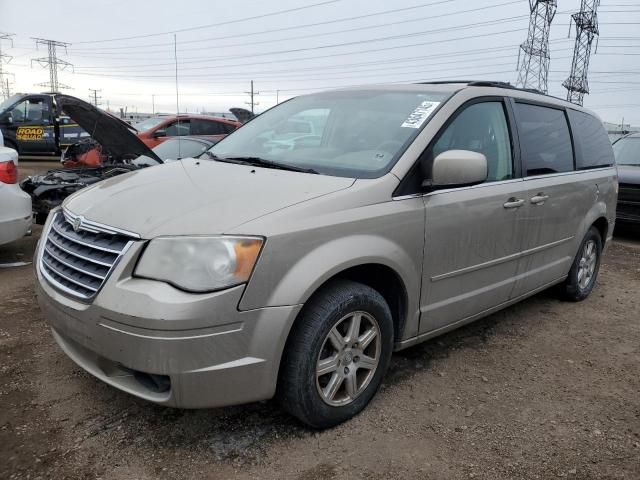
{"x":539,"y":199}
{"x":513,"y":203}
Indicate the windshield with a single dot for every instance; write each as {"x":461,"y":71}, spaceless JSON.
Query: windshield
{"x":357,"y":134}
{"x":627,"y":151}
{"x":174,"y":149}
{"x":9,"y":102}
{"x":145,"y":125}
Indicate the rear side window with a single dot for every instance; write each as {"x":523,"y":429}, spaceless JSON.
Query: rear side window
{"x":207,"y":127}
{"x":179,"y":128}
{"x":545,"y":141}
{"x":593,"y":145}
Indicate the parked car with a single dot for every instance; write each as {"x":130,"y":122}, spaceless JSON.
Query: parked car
{"x":15,"y":205}
{"x":627,"y":152}
{"x":257,"y":271}
{"x":49,"y":189}
{"x":156,"y":130}
{"x":35,"y":123}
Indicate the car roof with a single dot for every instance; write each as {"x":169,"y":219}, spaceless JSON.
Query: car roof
{"x":484,"y":87}
{"x":190,"y":116}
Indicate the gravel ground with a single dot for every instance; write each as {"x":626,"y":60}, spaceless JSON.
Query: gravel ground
{"x":544,"y":389}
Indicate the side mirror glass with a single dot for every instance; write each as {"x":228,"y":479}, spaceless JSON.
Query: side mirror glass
{"x":457,"y":168}
{"x":160,"y":133}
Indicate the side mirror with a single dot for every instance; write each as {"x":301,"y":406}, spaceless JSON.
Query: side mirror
{"x":6,"y":118}
{"x":160,"y":133}
{"x":457,"y":168}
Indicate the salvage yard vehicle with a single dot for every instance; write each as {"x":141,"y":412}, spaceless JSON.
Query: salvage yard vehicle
{"x":36,"y":123}
{"x":15,"y":205}
{"x":627,"y":153}
{"x":49,"y":189}
{"x":155,"y":130}
{"x":263,"y":271}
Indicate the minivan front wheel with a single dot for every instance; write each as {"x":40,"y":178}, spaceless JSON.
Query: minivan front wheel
{"x":336,"y":355}
{"x":583,"y":273}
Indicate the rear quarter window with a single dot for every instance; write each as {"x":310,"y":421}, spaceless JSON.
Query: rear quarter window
{"x":545,"y":142}
{"x":593,"y":147}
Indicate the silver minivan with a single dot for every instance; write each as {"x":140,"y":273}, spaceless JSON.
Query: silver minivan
{"x":323,"y":235}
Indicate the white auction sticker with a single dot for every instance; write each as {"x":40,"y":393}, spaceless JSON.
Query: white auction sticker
{"x":420,"y":114}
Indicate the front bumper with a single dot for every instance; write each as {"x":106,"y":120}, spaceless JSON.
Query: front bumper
{"x":167,"y":346}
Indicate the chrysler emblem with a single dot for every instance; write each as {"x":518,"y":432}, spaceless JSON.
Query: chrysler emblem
{"x":77,"y":224}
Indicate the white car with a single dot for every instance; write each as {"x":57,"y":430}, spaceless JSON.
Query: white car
{"x":15,"y":205}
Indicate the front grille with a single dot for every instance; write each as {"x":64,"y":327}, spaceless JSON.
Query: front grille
{"x":79,"y":260}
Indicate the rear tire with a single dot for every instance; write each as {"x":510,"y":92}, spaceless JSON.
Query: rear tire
{"x":585,"y":267}
{"x":336,"y":355}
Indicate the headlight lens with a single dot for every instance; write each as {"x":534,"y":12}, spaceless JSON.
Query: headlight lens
{"x":200,"y":264}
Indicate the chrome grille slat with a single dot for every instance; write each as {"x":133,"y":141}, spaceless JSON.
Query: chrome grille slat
{"x":68,"y":279}
{"x":67,"y":263}
{"x":78,"y":260}
{"x":68,"y":236}
{"x":54,"y":242}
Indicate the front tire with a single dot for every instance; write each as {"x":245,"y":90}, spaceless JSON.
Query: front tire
{"x":336,"y":355}
{"x":585,"y":267}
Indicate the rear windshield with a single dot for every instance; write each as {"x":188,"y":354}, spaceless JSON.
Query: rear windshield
{"x":627,"y":151}
{"x":349,"y":134}
{"x":145,"y":125}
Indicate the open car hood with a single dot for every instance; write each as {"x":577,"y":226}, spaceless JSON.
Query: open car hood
{"x":115,"y":135}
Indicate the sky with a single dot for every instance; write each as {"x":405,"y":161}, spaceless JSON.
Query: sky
{"x":125,"y":48}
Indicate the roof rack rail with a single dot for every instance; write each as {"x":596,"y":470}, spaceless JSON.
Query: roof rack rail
{"x":484,"y":83}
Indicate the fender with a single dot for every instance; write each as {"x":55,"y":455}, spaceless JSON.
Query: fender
{"x":317,"y":266}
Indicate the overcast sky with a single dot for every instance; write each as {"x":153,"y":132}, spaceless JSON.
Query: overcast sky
{"x":317,"y":44}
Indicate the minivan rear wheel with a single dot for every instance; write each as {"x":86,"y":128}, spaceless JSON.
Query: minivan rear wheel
{"x":585,"y":267}
{"x":336,"y":355}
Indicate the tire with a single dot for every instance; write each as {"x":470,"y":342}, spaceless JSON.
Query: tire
{"x":577,"y":287}
{"x":333,"y":309}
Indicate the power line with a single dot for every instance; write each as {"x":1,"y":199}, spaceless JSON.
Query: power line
{"x":138,"y":51}
{"x":282,"y":29}
{"x":333,"y":55}
{"x":534,"y":69}
{"x":228,"y":22}
{"x":52,"y":61}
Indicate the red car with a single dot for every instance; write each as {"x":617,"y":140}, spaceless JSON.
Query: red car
{"x":156,"y":130}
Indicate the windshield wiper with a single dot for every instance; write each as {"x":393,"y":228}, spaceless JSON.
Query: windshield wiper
{"x":261,"y":162}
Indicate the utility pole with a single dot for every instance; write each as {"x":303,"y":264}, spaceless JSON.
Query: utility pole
{"x":52,"y":61}
{"x":252,"y":94}
{"x":94,"y":96}
{"x":586,"y":21}
{"x":4,"y":58}
{"x":533,"y":71}
{"x":153,"y":104}
{"x":277,"y":97}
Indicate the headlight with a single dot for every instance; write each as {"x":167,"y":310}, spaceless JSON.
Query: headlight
{"x":200,"y":264}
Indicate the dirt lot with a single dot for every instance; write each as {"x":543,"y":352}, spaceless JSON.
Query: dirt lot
{"x":544,"y":389}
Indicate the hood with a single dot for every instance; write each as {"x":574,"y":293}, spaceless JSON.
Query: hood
{"x":197,"y":197}
{"x":115,"y":135}
{"x":629,"y":174}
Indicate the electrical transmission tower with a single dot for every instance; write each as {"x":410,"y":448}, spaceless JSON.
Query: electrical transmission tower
{"x":586,"y":21}
{"x":53,"y":62}
{"x":533,"y":70}
{"x":94,"y":96}
{"x":4,"y":58}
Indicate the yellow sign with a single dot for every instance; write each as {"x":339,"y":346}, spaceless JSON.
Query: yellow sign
{"x":29,"y":133}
